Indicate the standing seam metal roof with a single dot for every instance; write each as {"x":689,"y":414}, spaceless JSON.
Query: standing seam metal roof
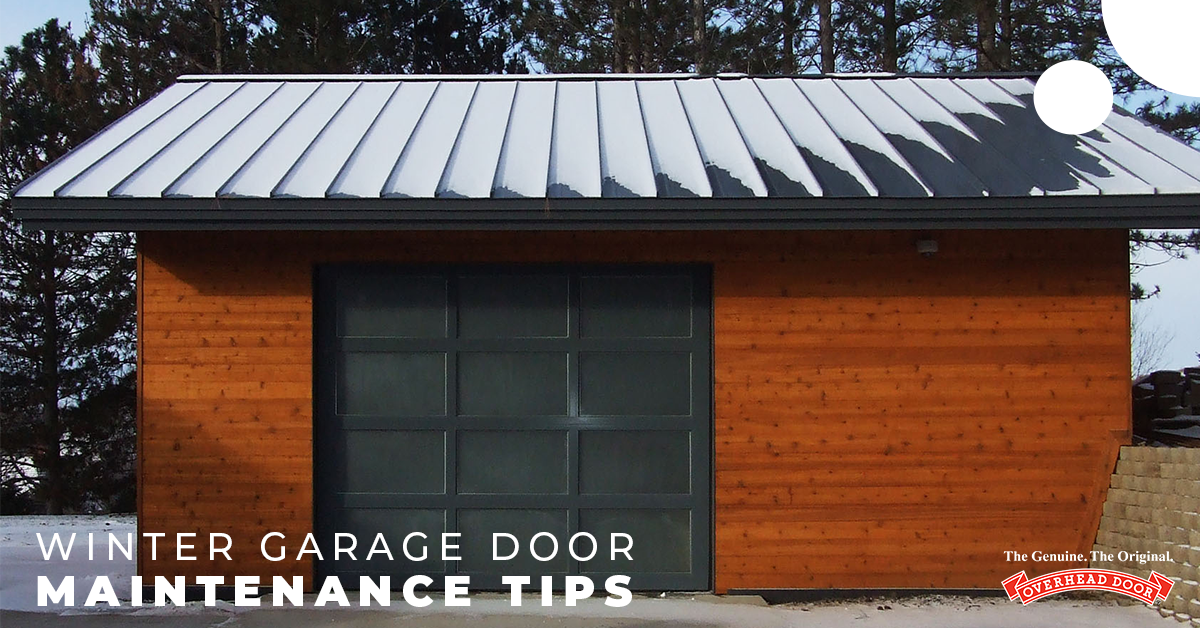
{"x":606,"y":137}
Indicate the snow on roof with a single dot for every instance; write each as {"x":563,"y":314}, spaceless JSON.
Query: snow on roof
{"x":605,"y":137}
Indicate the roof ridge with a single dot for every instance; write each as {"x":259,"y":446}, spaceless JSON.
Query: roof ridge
{"x":190,"y":78}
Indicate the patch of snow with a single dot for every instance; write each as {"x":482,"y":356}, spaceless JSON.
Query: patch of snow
{"x":369,"y":166}
{"x":472,"y":165}
{"x":624,"y":152}
{"x":424,"y":159}
{"x":22,"y":561}
{"x":315,"y":170}
{"x":673,"y":150}
{"x":525,"y":155}
{"x":718,"y":138}
{"x":271,"y":162}
{"x":797,"y":115}
{"x":129,"y":157}
{"x":575,"y":153}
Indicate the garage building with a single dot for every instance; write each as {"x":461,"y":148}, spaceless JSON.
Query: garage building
{"x":808,"y":332}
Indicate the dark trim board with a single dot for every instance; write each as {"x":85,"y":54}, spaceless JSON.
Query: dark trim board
{"x":1040,"y":212}
{"x":330,"y":423}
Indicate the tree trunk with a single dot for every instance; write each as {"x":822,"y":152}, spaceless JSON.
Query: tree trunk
{"x":699,"y":24}
{"x":622,"y":42}
{"x":50,"y":469}
{"x":891,"y":56}
{"x":1004,"y":55}
{"x":634,"y":35}
{"x":789,"y":37}
{"x":218,"y":15}
{"x":825,"y":11}
{"x":985,"y":51}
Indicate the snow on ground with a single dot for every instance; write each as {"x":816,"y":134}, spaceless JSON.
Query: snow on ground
{"x":22,"y":561}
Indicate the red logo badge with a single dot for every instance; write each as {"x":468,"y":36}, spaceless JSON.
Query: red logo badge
{"x":1019,"y":586}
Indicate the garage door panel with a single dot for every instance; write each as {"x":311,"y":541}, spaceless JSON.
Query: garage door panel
{"x":662,"y":540}
{"x":635,"y":306}
{"x":649,"y":383}
{"x":509,"y":305}
{"x":621,"y":462}
{"x":399,"y":384}
{"x":394,"y":524}
{"x":496,"y":461}
{"x":368,"y":461}
{"x":517,"y":399}
{"x":383,"y":304}
{"x":512,"y":384}
{"x":478,"y":526}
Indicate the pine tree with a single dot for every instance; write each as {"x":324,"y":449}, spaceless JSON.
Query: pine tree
{"x":383,"y":36}
{"x":622,"y":36}
{"x":310,"y":36}
{"x":66,"y":300}
{"x":438,"y":37}
{"x":143,"y":46}
{"x":770,"y":37}
{"x":884,"y":36}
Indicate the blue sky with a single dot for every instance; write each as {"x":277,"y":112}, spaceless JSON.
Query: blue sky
{"x":18,"y":17}
{"x":1176,"y":312}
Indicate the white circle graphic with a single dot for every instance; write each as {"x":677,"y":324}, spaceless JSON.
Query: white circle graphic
{"x":1073,"y":97}
{"x":1157,"y":39}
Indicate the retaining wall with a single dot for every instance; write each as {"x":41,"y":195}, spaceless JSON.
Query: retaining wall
{"x":1153,"y":507}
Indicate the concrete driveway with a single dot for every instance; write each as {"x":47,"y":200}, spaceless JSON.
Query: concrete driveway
{"x":687,"y":612}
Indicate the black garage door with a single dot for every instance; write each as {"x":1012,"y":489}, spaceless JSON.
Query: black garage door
{"x":519,"y":400}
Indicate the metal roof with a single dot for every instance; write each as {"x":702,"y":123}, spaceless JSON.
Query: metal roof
{"x":347,"y":151}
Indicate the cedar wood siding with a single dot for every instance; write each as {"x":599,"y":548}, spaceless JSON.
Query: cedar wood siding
{"x":880,"y":419}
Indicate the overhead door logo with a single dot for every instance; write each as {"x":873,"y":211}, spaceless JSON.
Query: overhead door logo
{"x":1020,"y":587}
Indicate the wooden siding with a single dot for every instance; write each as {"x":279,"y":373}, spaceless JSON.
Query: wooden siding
{"x":881,"y":419}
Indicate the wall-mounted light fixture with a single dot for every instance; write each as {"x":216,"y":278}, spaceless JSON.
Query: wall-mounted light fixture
{"x":927,"y":247}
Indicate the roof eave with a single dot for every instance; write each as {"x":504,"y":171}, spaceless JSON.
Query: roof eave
{"x":1044,"y":212}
